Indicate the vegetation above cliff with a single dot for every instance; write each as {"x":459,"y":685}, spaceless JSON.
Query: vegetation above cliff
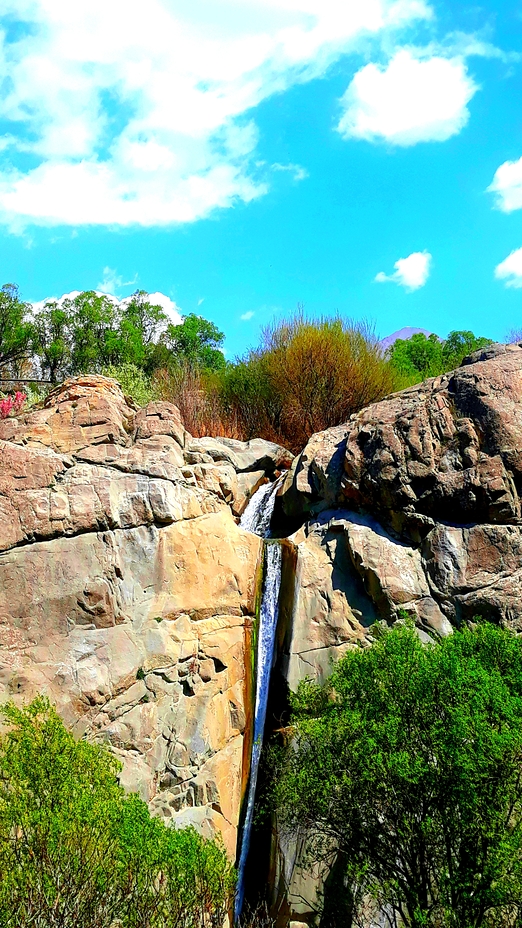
{"x":74,"y":850}
{"x":306,"y":374}
{"x":422,"y":356}
{"x":406,"y":766}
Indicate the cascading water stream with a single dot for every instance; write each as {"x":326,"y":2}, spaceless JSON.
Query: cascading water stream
{"x":256,"y":518}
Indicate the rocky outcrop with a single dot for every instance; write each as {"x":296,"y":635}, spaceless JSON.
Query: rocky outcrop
{"x":411,"y":508}
{"x":127,"y":589}
{"x":433,"y":475}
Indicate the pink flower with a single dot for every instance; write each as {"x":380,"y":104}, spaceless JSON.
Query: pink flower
{"x":19,"y":401}
{"x":9,"y":405}
{"x":6,"y":406}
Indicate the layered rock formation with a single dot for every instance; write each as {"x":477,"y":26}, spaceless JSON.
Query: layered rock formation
{"x":127,"y":589}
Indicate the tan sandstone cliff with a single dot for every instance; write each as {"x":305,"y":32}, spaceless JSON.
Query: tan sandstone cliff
{"x":127,"y":589}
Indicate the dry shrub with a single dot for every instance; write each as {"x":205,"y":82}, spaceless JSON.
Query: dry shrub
{"x":514,"y":337}
{"x":257,"y":918}
{"x":197,"y":396}
{"x":307,"y":376}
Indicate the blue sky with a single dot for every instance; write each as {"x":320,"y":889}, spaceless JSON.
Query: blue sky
{"x":241,"y":156}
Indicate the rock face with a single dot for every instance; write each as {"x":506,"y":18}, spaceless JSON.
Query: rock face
{"x":434,"y":476}
{"x":413,"y":506}
{"x":127,"y":589}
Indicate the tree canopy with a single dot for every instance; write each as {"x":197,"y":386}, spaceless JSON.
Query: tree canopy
{"x":90,"y":332}
{"x":407,"y":766}
{"x":197,"y":341}
{"x":424,"y":356}
{"x":16,"y":329}
{"x":75,"y":850}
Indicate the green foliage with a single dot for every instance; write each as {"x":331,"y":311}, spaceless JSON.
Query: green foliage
{"x":90,"y":333}
{"x":460,"y":344}
{"x":196,"y":342}
{"x":417,"y":357}
{"x":16,"y":331}
{"x":54,"y":348}
{"x":75,"y":850}
{"x":140,"y":328}
{"x":407,"y":766}
{"x":424,"y":356}
{"x":134,"y":382}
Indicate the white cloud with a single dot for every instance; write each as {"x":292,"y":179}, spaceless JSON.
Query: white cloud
{"x":411,"y":272}
{"x":299,"y":172}
{"x":128,"y":118}
{"x":410,"y":100}
{"x":113,"y":282}
{"x":510,"y":269}
{"x":170,"y":308}
{"x":246,"y":316}
{"x":507,"y":185}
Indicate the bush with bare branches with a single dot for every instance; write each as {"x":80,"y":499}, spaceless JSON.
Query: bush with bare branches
{"x":307,"y":375}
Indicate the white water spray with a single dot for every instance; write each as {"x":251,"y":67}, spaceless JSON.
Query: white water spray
{"x":256,"y":518}
{"x":258,"y":513}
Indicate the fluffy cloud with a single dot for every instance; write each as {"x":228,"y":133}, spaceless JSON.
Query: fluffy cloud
{"x":507,"y":185}
{"x":119,"y":116}
{"x":247,"y":316}
{"x":411,"y":272}
{"x":170,"y":308}
{"x":510,"y":269}
{"x":411,"y":100}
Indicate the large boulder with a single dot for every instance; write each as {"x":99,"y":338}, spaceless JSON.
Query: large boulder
{"x":426,"y":483}
{"x":449,"y":449}
{"x":127,"y":589}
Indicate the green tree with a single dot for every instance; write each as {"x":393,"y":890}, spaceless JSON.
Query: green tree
{"x":459,"y":344}
{"x":140,"y":326}
{"x":75,"y":850}
{"x":196,"y":341}
{"x":94,"y":327}
{"x":407,"y":765}
{"x":53,"y":341}
{"x":89,"y":332}
{"x":417,"y":357}
{"x":16,"y":330}
{"x":424,"y":356}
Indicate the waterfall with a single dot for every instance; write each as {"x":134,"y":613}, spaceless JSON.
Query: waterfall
{"x":256,"y":518}
{"x":258,"y":513}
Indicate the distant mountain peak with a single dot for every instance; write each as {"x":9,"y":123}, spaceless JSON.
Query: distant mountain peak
{"x":406,"y":332}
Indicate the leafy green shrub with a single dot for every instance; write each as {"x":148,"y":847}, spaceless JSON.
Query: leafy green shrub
{"x":134,"y":382}
{"x":407,"y":766}
{"x":76,"y":851}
